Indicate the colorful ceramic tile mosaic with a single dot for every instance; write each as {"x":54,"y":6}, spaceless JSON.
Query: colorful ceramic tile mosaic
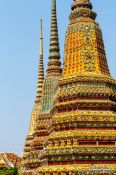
{"x":75,"y":131}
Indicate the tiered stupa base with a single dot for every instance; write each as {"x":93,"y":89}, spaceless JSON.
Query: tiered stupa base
{"x":78,"y":169}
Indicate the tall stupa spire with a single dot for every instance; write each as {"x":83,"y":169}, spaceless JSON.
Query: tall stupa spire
{"x":54,"y":65}
{"x":84,"y":103}
{"x":35,"y":112}
{"x":40,"y":68}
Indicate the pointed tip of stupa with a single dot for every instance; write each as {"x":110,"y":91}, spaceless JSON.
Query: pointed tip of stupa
{"x":41,"y":19}
{"x":53,"y":4}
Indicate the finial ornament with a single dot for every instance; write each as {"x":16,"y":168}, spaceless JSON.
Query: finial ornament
{"x":41,"y":38}
{"x":83,"y":8}
{"x":53,"y":4}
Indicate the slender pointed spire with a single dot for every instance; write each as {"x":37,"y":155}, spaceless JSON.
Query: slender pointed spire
{"x":41,"y":68}
{"x":54,"y":65}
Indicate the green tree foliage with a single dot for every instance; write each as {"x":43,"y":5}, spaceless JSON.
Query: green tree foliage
{"x":8,"y":171}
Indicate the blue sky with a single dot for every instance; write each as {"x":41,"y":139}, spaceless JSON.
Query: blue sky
{"x":19,"y":50}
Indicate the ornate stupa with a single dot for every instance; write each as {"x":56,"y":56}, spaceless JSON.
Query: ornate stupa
{"x":83,"y":140}
{"x":40,"y":127}
{"x":75,"y":129}
{"x":35,"y":111}
{"x":43,"y":127}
